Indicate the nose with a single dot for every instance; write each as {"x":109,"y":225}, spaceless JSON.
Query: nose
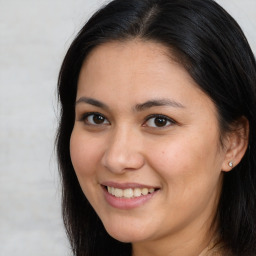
{"x":123,"y":152}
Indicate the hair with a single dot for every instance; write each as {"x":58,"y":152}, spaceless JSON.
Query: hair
{"x":211,"y":46}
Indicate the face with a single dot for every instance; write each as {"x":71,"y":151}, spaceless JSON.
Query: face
{"x":145,"y":144}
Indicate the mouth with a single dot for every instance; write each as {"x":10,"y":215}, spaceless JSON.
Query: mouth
{"x":129,"y":192}
{"x":127,"y":196}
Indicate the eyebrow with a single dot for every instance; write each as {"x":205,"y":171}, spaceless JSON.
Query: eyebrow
{"x":91,"y":101}
{"x":158,"y":103}
{"x":138,"y":107}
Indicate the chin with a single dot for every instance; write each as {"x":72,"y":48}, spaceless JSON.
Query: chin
{"x":125,"y":236}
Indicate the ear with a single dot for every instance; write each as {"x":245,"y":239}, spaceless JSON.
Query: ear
{"x":236,"y":144}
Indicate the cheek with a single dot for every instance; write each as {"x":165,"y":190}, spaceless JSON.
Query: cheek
{"x":84,"y":154}
{"x":184,"y":160}
{"x":189,"y":175}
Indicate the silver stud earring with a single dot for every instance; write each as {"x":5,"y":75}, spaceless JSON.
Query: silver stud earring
{"x":230,"y":164}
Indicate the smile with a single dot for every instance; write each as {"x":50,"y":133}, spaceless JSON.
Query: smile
{"x":129,"y":192}
{"x":128,"y":196}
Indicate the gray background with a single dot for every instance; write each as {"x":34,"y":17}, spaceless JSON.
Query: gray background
{"x":34,"y":36}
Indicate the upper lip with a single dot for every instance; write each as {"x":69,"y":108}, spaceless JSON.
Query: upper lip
{"x":126,"y":185}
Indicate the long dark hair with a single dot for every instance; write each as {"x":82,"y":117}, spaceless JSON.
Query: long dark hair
{"x":209,"y":43}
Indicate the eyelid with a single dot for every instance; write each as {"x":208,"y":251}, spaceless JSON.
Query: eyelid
{"x":161,"y":116}
{"x":87,"y":114}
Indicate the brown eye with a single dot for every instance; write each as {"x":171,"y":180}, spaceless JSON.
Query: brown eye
{"x":96,"y":119}
{"x":159,"y":121}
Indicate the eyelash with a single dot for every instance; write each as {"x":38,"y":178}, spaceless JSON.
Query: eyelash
{"x":163,"y":117}
{"x":85,"y":117}
{"x":167,"y":119}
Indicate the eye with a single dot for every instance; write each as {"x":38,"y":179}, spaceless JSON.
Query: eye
{"x":159,"y":121}
{"x":94,"y":119}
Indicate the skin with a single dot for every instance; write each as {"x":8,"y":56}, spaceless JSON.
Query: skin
{"x":183,"y":159}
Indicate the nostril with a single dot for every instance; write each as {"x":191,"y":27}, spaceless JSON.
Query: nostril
{"x":122,"y":161}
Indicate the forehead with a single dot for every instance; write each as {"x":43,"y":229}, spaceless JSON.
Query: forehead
{"x":126,"y":57}
{"x":134,"y":62}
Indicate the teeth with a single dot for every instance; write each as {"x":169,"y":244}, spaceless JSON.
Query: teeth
{"x":110,"y":190}
{"x":137,"y":192}
{"x":129,"y":192}
{"x":118,"y":192}
{"x":151,"y":190}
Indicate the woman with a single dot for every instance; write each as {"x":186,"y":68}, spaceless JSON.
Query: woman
{"x":156,"y":142}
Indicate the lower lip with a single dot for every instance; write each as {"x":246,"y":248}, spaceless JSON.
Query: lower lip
{"x":127,"y":203}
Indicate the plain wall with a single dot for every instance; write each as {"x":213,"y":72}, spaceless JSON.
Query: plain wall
{"x":34,"y":36}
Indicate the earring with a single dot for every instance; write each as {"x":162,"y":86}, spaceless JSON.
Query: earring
{"x":230,"y":164}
